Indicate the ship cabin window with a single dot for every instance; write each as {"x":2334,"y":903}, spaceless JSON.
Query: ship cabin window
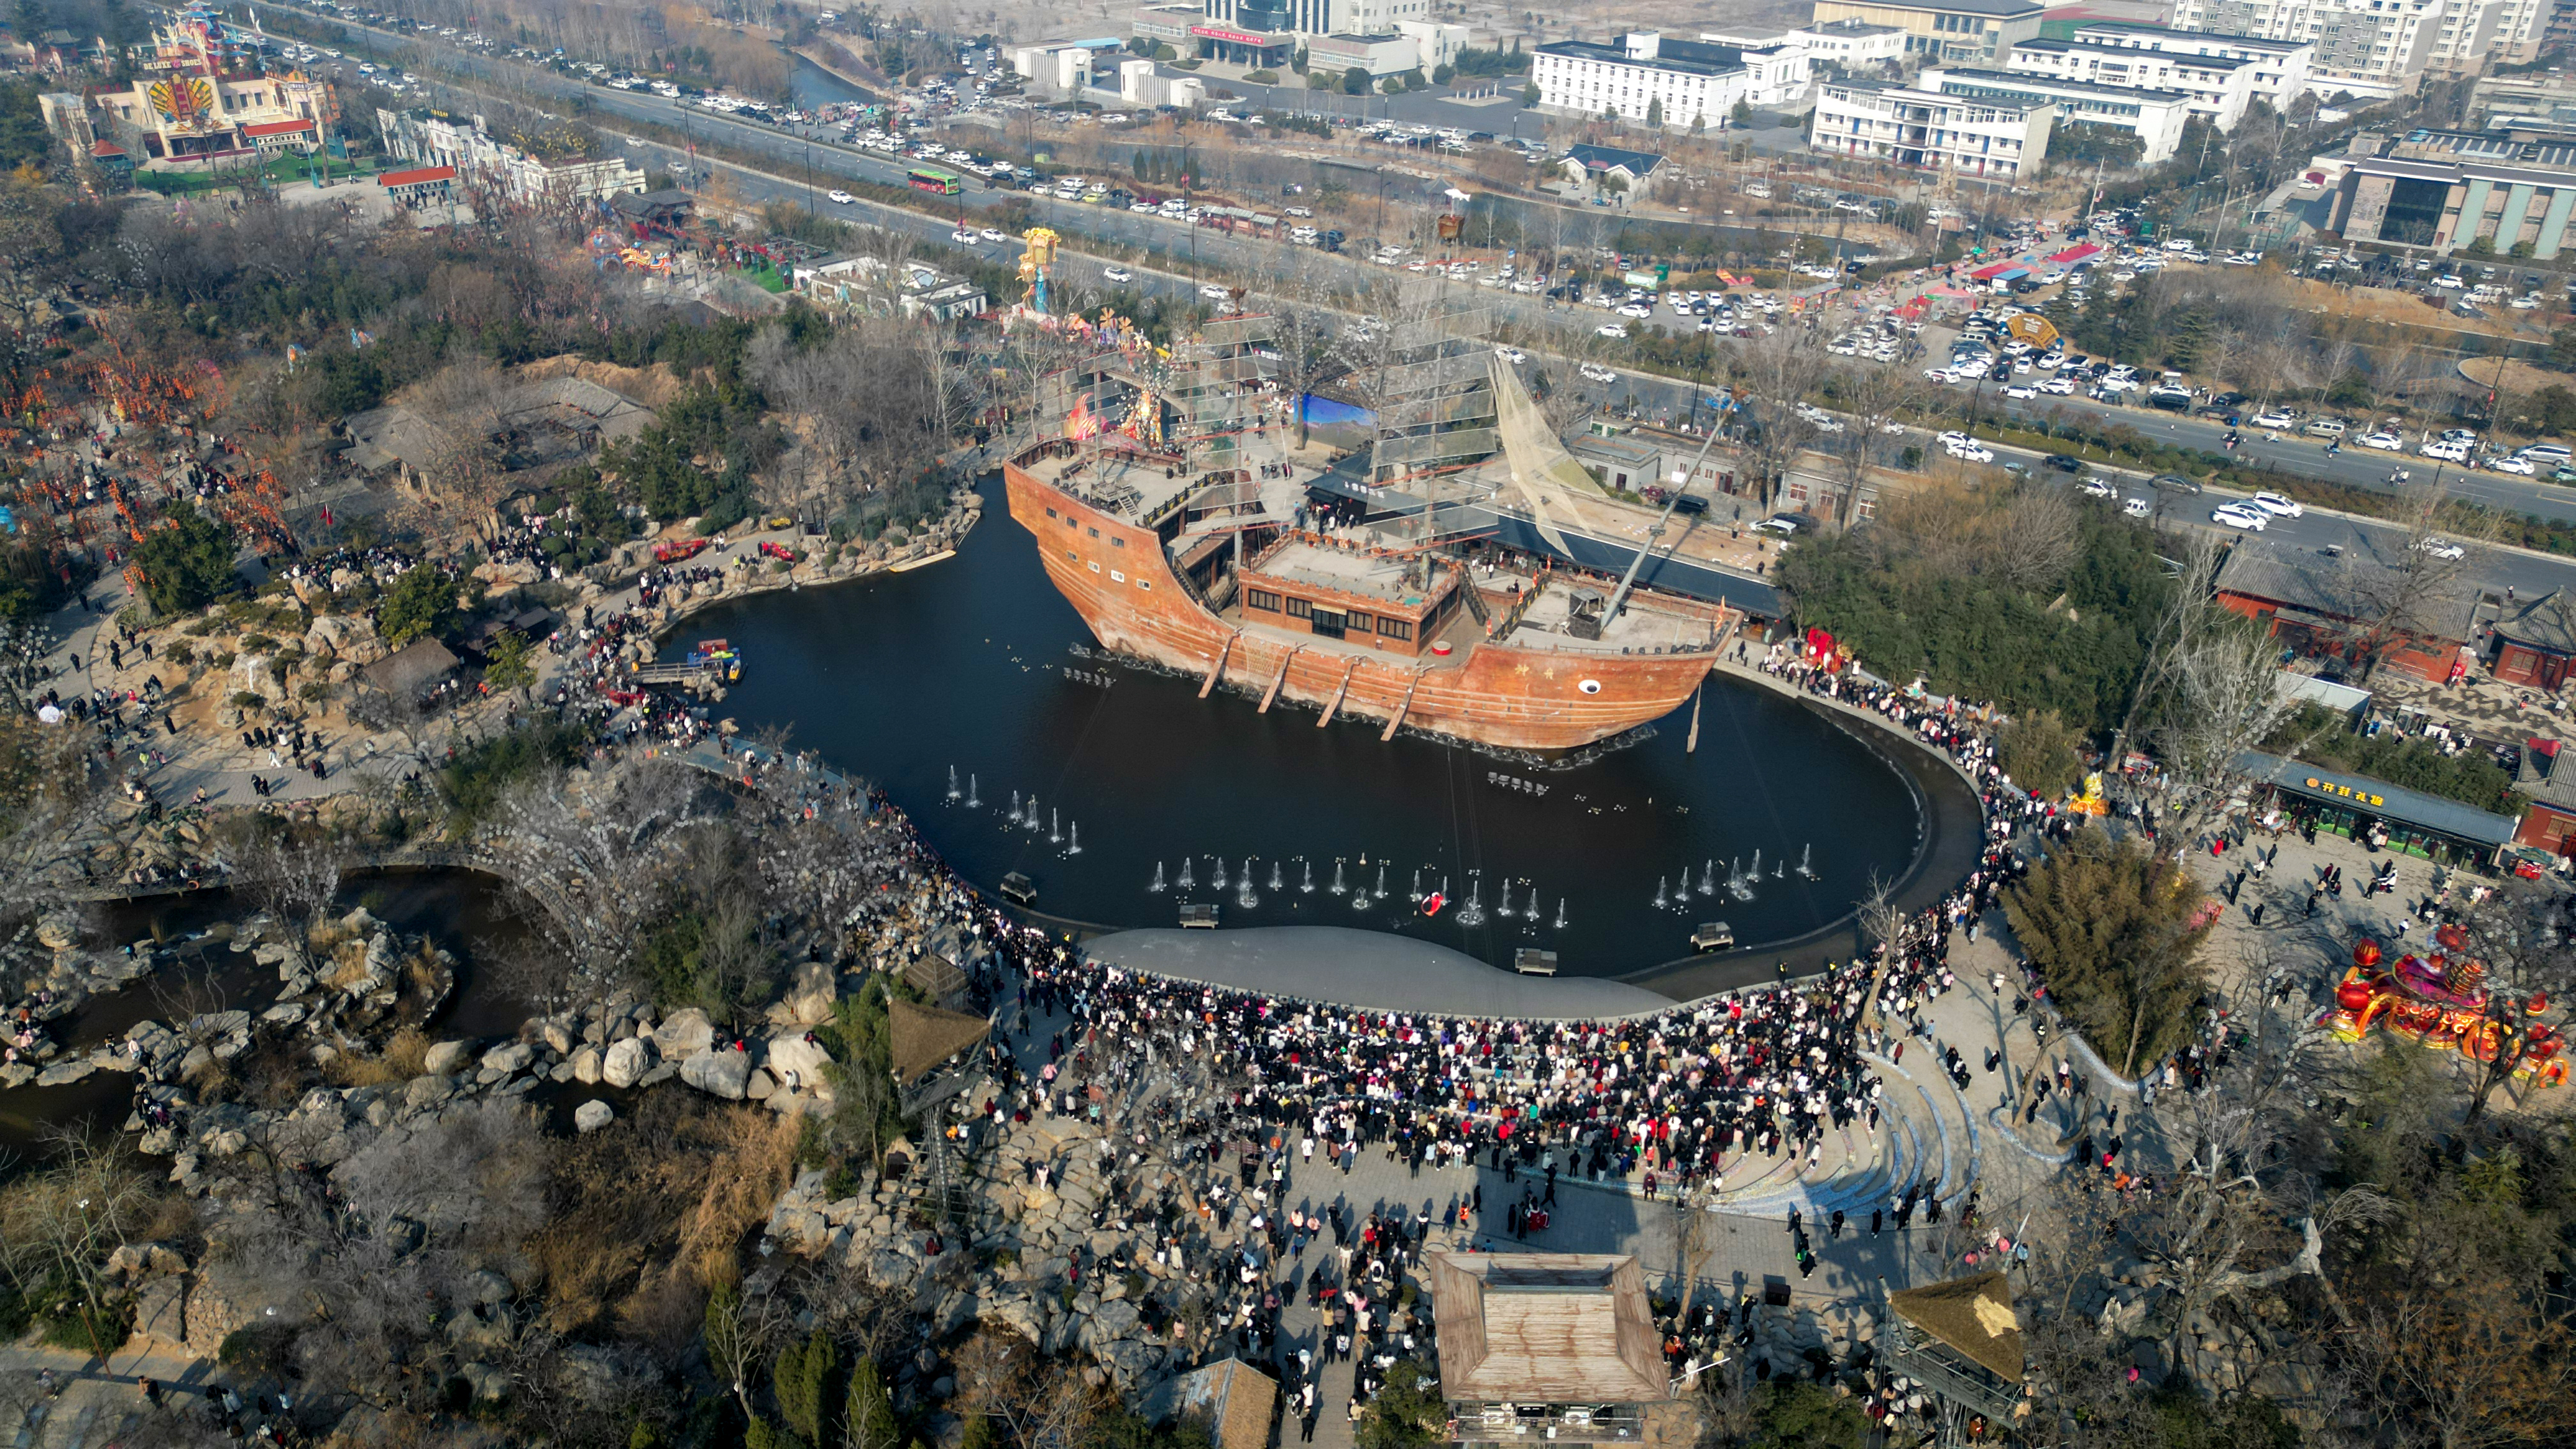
{"x":1356,"y":623}
{"x":1261,"y":599}
{"x":1116,"y":577}
{"x":1051,"y":513}
{"x":1095,"y":533}
{"x":1071,"y":555}
{"x":1395,"y":628}
{"x":1300,"y":609}
{"x":1117,"y":543}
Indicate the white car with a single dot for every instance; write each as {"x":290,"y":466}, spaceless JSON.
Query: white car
{"x":2520,"y":466}
{"x":2058,"y":387}
{"x":2101,"y":488}
{"x":1117,"y":274}
{"x":2275,"y":419}
{"x":1955,"y":440}
{"x":1611,"y":329}
{"x":1595,"y":372}
{"x":2239,"y":516}
{"x":2137,"y":508}
{"x":1973,"y":454}
{"x":2441,"y":548}
{"x":962,"y":237}
{"x":1939,"y":374}
{"x":2446,"y":452}
{"x":1214,"y":293}
{"x":2274,"y":503}
{"x":993,"y":234}
{"x":1512,"y":355}
{"x":842,"y":198}
{"x":2385,"y":442}
{"x":2018,"y":391}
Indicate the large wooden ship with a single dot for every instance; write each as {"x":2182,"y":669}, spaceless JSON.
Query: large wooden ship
{"x":1181,"y":515}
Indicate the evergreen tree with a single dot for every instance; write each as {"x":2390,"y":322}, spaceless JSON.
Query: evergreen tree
{"x":803,"y":1383}
{"x":1655,"y":112}
{"x":867,"y":1417}
{"x":187,"y":565}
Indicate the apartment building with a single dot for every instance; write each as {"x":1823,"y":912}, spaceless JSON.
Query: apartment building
{"x":1970,"y":32}
{"x":2373,"y":49}
{"x":1697,"y":83}
{"x":2155,"y":117}
{"x":2276,"y":70}
{"x":2215,"y":86}
{"x":1971,"y":135}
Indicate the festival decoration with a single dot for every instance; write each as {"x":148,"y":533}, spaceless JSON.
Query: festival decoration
{"x":185,"y":102}
{"x":2440,"y":1002}
{"x":1036,"y":265}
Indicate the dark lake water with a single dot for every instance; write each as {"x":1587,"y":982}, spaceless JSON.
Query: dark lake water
{"x":969,"y":665}
{"x":811,"y":85}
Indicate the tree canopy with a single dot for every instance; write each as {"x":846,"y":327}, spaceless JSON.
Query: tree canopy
{"x":187,"y":565}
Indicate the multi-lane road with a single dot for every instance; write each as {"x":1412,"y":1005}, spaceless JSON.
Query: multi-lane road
{"x":1192,"y":253}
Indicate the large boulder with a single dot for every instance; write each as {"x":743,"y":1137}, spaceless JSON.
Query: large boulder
{"x":809,"y":1001}
{"x":685,"y":1033}
{"x":442,"y":1057}
{"x":627,"y":1061}
{"x":725,"y":1073}
{"x":585,"y":1066}
{"x":593,"y":1115}
{"x":797,"y":1063}
{"x":513,"y":1057}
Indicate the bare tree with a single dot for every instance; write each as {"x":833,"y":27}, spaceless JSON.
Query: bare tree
{"x":1870,"y":399}
{"x":294,"y":879}
{"x":596,"y":850}
{"x":1779,"y":369}
{"x":2518,"y":943}
{"x":2420,"y":592}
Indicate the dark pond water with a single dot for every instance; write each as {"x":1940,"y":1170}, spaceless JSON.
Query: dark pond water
{"x":457,"y":910}
{"x":970,"y":665}
{"x":812,"y":85}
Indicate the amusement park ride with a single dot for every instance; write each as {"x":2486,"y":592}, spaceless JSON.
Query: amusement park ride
{"x":2441,"y":1002}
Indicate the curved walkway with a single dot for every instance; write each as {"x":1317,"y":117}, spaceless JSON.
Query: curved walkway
{"x":1371,"y":969}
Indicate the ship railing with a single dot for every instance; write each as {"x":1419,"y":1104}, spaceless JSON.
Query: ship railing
{"x":1519,"y":610}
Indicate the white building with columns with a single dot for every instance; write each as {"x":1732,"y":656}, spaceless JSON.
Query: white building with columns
{"x":1910,"y":126}
{"x":1697,"y":83}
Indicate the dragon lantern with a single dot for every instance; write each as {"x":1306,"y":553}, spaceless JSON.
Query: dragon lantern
{"x":2440,"y":1001}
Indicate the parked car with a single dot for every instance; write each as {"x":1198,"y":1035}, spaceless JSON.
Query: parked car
{"x":2274,"y":503}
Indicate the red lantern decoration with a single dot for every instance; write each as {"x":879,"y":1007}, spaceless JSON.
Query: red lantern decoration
{"x":2353,"y":995}
{"x":2451,"y":936}
{"x":2366,"y":954}
{"x":2538,"y":1003}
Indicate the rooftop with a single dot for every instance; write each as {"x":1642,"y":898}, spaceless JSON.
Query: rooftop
{"x":2546,"y":623}
{"x":2030,"y":81}
{"x":1602,"y":158}
{"x":2407,"y":807}
{"x":1388,"y":578}
{"x":1545,"y":1327}
{"x":1688,"y":57}
{"x":1972,"y":1315}
{"x":2131,"y":52}
{"x":1995,"y":9}
{"x":2230,"y":39}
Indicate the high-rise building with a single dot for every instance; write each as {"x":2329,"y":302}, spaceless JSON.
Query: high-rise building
{"x":2373,"y":49}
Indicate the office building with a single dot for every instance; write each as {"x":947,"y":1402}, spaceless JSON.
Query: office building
{"x":2276,"y":71}
{"x":1697,"y":83}
{"x":2155,"y":117}
{"x":1912,"y":126}
{"x":2214,"y":86}
{"x":2517,"y":197}
{"x":1969,"y":32}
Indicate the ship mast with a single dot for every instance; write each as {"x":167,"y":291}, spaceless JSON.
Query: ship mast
{"x":1680,"y":480}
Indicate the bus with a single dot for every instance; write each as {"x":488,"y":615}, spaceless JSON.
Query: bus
{"x":931,"y":178}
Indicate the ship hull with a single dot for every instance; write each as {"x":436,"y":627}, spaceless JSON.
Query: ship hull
{"x":1118,"y":579}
